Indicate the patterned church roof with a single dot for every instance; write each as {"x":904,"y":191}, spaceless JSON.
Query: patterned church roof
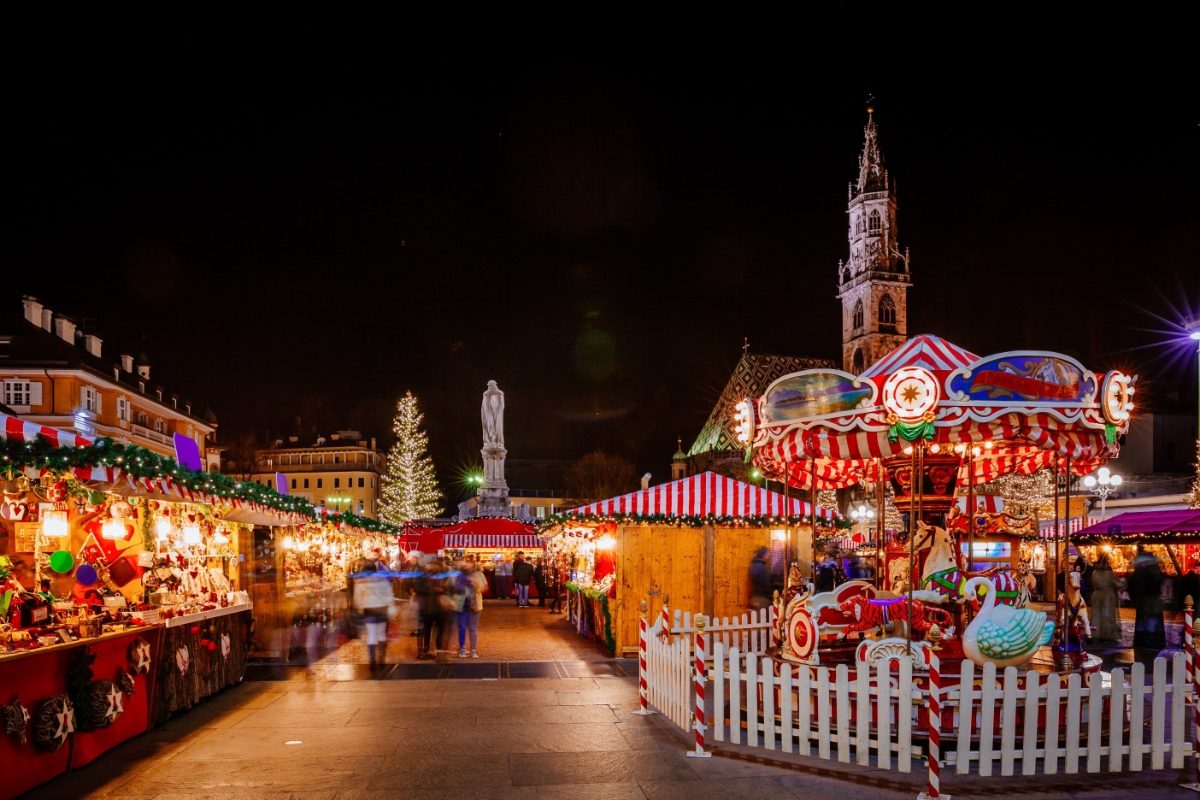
{"x":750,"y":378}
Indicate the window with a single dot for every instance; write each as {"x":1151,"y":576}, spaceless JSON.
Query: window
{"x":887,"y":310}
{"x":337,"y":483}
{"x":858,"y":225}
{"x":293,"y":483}
{"x":306,"y":483}
{"x":22,"y":393}
{"x":859,"y":364}
{"x":858,"y":315}
{"x":320,"y":483}
{"x":123,"y":409}
{"x":159,"y":426}
{"x":372,"y":483}
{"x":874,"y":222}
{"x":360,"y":507}
{"x":141,"y":419}
{"x":360,"y":483}
{"x":90,"y":399}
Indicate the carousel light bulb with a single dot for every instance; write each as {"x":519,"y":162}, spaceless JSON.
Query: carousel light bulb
{"x":935,"y":448}
{"x":908,"y":451}
{"x":960,"y":448}
{"x":988,"y":444}
{"x":54,"y":523}
{"x":112,"y":528}
{"x":191,"y":534}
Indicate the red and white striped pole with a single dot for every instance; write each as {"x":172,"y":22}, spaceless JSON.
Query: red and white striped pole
{"x":665,"y":633}
{"x":700,"y":727}
{"x":773,"y":616}
{"x":1195,"y":787}
{"x":1189,"y":641}
{"x":643,"y":685}
{"x":933,"y":789}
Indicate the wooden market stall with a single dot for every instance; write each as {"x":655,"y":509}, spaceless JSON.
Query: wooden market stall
{"x":691,"y":540}
{"x":1172,"y":536}
{"x":494,"y":541}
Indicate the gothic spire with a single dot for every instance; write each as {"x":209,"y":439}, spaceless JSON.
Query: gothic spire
{"x":871,"y":175}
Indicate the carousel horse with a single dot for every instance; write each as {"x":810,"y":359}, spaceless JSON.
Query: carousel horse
{"x":944,"y":574}
{"x":1076,"y":609}
{"x":885,"y":613}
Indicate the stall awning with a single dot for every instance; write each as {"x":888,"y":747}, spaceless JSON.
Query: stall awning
{"x":1146,"y":522}
{"x":20,"y":430}
{"x":705,"y":495}
{"x":482,"y":532}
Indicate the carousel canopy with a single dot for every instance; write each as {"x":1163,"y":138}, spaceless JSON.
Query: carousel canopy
{"x":1145,"y":525}
{"x":705,"y":495}
{"x":1025,"y":410}
{"x":479,"y":532}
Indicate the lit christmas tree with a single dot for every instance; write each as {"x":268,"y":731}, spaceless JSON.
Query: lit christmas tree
{"x":410,"y":488}
{"x":1193,"y":497}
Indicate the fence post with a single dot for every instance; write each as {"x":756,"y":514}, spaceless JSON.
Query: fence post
{"x":643,"y":685}
{"x":1189,"y":641}
{"x":773,"y":621}
{"x":666,"y":620}
{"x":1190,"y":634}
{"x":698,"y":640}
{"x":933,"y":727}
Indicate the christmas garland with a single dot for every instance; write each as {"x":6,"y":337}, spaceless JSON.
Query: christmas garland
{"x":140,"y":463}
{"x":694,"y":521}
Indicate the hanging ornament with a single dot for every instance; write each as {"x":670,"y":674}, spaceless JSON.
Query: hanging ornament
{"x":126,"y":683}
{"x":54,"y":723}
{"x":16,"y":721}
{"x":225,"y":645}
{"x":105,"y":703}
{"x":183,"y":660}
{"x":120,"y":509}
{"x":139,"y":656}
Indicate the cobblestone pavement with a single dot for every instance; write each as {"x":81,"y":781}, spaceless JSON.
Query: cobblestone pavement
{"x":506,"y":633}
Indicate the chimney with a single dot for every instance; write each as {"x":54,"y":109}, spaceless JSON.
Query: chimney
{"x":47,"y":315}
{"x":33,"y":310}
{"x":143,"y":366}
{"x":372,"y":442}
{"x":646,"y":481}
{"x":92,"y":344}
{"x":127,"y":362}
{"x":64,"y":329}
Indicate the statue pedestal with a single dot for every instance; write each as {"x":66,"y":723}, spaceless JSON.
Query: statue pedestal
{"x":493,"y":502}
{"x":493,"y":496}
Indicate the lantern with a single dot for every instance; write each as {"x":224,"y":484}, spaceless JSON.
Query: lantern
{"x":54,"y":523}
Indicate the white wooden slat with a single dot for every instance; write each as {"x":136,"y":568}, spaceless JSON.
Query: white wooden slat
{"x":751,"y":700}
{"x":718,"y":675}
{"x":1054,"y":706}
{"x":1179,"y":715}
{"x":987,"y":712}
{"x":966,"y":716}
{"x":883,"y":714}
{"x":1116,"y":721}
{"x":1137,"y":712}
{"x":1074,"y":693}
{"x":1158,"y":711}
{"x":768,"y":692}
{"x":1008,"y":722}
{"x":842,"y":714}
{"x":735,"y":695}
{"x":904,"y":709}
{"x":823,"y":712}
{"x":1029,"y":734}
{"x":1095,"y":721}
{"x":804,"y":711}
{"x":862,"y":714}
{"x":787,"y":722}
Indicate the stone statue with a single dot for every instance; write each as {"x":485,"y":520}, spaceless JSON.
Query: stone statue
{"x":493,"y":416}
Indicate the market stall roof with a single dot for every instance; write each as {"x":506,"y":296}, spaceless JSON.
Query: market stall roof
{"x":1145,"y":525}
{"x":20,"y":430}
{"x":483,"y":532}
{"x":1026,"y":410}
{"x":705,"y":495}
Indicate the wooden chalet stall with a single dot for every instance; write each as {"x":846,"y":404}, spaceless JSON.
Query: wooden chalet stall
{"x":1172,"y":536}
{"x":691,"y":540}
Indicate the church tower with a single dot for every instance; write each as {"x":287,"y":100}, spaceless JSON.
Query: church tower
{"x":873,"y":283}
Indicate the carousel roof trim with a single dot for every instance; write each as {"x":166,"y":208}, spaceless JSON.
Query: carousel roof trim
{"x":926,"y":350}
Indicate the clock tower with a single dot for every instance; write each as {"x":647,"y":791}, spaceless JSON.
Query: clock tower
{"x":873,"y":283}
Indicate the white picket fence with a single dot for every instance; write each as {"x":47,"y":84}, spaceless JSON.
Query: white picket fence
{"x":1119,"y":720}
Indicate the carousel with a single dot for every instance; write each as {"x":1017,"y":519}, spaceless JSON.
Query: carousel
{"x":935,"y":421}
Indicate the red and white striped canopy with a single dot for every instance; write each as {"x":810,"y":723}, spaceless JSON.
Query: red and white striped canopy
{"x":481,"y":532}
{"x":931,"y":352}
{"x":19,"y":430}
{"x":705,"y":495}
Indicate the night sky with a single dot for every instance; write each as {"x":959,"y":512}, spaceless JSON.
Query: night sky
{"x":306,"y":227}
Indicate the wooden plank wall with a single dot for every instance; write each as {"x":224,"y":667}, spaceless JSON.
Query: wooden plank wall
{"x":673,"y":558}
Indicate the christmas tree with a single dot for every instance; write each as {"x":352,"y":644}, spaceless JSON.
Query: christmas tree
{"x":409,"y":488}
{"x":1193,"y":497}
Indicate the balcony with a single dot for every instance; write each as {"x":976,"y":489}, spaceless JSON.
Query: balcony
{"x":142,"y":432}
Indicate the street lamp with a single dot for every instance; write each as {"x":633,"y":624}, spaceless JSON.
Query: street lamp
{"x":863,"y":515}
{"x":1194,"y":334}
{"x":1102,"y":484}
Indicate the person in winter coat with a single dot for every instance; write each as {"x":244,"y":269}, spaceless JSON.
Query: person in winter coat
{"x":372,"y":599}
{"x":760,"y":580}
{"x":472,"y":582}
{"x":522,"y":575}
{"x":1104,"y":601}
{"x":539,"y":581}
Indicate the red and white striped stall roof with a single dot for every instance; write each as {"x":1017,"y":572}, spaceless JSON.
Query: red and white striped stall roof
{"x":931,"y":352}
{"x":20,"y":430}
{"x":705,"y":495}
{"x":481,"y":532}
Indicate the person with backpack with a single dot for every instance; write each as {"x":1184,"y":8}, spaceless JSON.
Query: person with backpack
{"x":522,"y":575}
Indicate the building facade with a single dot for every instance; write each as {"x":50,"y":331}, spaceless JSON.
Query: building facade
{"x":341,"y":472}
{"x":53,"y":373}
{"x":873,"y":282}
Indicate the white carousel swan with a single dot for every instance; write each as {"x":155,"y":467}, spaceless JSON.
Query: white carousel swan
{"x":1004,"y":635}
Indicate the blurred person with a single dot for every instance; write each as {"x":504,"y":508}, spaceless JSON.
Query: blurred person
{"x":522,"y":572}
{"x":556,"y":587}
{"x":760,"y":580}
{"x":472,"y":583}
{"x":503,"y":578}
{"x":539,"y":582}
{"x":1145,"y":589}
{"x":373,"y":597}
{"x":1104,"y":601}
{"x":428,"y":589}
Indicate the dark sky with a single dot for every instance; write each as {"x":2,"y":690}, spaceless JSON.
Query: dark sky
{"x":307,"y":225}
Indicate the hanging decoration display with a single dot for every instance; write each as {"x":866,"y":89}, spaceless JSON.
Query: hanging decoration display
{"x":62,"y":561}
{"x":226,"y":645}
{"x":126,"y":683}
{"x":183,"y":660}
{"x":54,"y":723}
{"x":105,"y":702}
{"x":16,"y":721}
{"x":139,"y":656}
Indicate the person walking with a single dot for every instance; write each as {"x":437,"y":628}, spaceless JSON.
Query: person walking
{"x":503,"y":578}
{"x":1145,"y":590}
{"x":373,"y":597}
{"x":471,"y":581}
{"x":760,"y":580}
{"x":1104,"y":601}
{"x":522,"y":574}
{"x":539,"y":582}
{"x":555,"y":587}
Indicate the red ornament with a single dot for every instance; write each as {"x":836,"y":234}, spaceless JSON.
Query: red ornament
{"x":194,"y":630}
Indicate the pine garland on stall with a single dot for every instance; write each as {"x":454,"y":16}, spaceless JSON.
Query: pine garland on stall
{"x":410,"y":488}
